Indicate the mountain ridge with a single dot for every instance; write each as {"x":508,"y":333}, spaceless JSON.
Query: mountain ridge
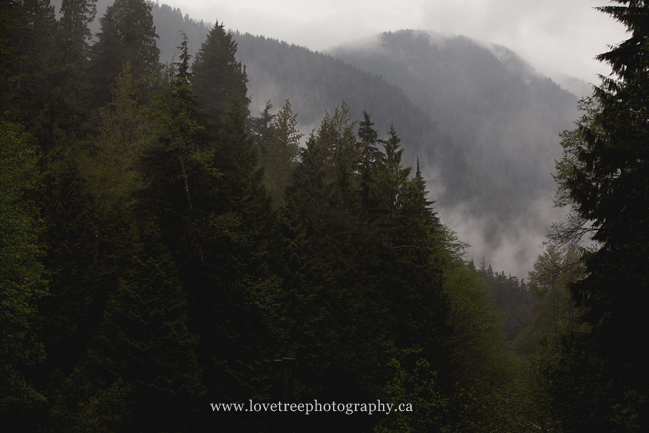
{"x":483,"y":123}
{"x":501,"y":114}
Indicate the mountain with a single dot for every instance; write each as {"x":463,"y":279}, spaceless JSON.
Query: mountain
{"x":501,"y":114}
{"x":483,"y":123}
{"x":316,"y":82}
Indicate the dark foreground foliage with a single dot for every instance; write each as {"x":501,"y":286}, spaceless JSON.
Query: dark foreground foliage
{"x":159,"y":248}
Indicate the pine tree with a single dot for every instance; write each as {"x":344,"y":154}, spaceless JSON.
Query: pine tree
{"x":179,"y":139}
{"x":368,"y":135}
{"x":233,"y":291}
{"x":205,"y":194}
{"x":73,"y":90}
{"x":33,"y":39}
{"x":370,"y":282}
{"x":371,"y":154}
{"x":421,"y":186}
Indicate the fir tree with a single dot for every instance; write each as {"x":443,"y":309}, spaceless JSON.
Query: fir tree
{"x":261,"y":128}
{"x":219,"y":79}
{"x":603,"y":176}
{"x":145,"y":347}
{"x":127,"y":35}
{"x":282,"y":149}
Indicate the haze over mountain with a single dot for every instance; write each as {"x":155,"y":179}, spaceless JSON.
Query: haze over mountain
{"x":503,"y":117}
{"x":173,"y":245}
{"x":483,"y":123}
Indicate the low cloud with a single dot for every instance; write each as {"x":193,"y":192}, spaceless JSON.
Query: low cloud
{"x":513,"y":251}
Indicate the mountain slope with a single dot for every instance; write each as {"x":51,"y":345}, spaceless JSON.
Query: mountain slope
{"x":316,"y":82}
{"x":501,"y":114}
{"x":483,"y":123}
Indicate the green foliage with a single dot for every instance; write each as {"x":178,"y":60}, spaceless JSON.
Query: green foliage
{"x":603,"y":178}
{"x":127,"y":35}
{"x":174,"y":277}
{"x":513,"y":300}
{"x":22,"y":281}
{"x":219,"y":79}
{"x":576,"y":227}
{"x":484,"y":365}
{"x":526,"y":404}
{"x":479,"y":340}
{"x":281,"y":152}
{"x":417,"y":387}
{"x":371,"y":267}
{"x":109,"y":163}
{"x":466,"y":410}
{"x":261,"y":128}
{"x":144,"y":345}
{"x":33,"y":95}
{"x":555,"y":313}
{"x":173,"y":154}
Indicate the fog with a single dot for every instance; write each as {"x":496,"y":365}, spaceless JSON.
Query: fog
{"x":513,"y":150}
{"x":559,"y":37}
{"x":501,"y":116}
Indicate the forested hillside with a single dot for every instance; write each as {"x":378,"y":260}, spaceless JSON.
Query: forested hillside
{"x":503,"y":118}
{"x":147,"y":273}
{"x":174,"y":259}
{"x":484,"y":125}
{"x":482,"y":122}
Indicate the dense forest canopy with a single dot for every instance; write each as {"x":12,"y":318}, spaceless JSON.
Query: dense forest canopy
{"x":163,"y":241}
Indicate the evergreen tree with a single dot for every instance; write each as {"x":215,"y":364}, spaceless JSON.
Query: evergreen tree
{"x":109,"y":162}
{"x":336,"y":309}
{"x":261,"y":128}
{"x":554,"y":311}
{"x":604,"y":176}
{"x":33,"y":39}
{"x":87,"y":200}
{"x":282,"y":149}
{"x":127,"y":35}
{"x":22,"y":281}
{"x":179,"y":138}
{"x":235,"y":302}
{"x":145,"y":348}
{"x":205,"y":194}
{"x":371,"y":278}
{"x":371,"y":154}
{"x":219,"y":79}
{"x":421,"y":186}
{"x":73,"y":90}
{"x":366,"y":131}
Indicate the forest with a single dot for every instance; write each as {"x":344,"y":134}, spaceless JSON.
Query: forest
{"x":163,"y":243}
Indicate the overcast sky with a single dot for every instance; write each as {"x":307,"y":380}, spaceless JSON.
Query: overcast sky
{"x":556,"y":36}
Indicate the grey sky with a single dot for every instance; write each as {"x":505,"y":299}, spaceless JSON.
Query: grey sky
{"x":556,"y":36}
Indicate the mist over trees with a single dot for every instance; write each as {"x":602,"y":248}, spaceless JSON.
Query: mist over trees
{"x":175,"y":218}
{"x":483,"y":123}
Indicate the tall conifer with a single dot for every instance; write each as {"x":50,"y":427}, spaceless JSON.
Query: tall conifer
{"x":219,"y":79}
{"x":127,"y":35}
{"x":604,"y":177}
